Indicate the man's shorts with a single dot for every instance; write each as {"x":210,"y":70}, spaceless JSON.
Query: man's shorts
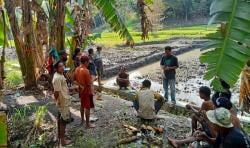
{"x":87,"y":101}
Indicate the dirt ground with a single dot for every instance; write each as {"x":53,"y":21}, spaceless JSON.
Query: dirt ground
{"x":112,"y":114}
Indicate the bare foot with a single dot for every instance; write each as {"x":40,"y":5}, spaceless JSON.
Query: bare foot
{"x":65,"y":142}
{"x":172,"y":142}
{"x":90,"y":125}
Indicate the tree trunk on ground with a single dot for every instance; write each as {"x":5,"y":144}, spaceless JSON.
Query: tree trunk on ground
{"x":29,"y":45}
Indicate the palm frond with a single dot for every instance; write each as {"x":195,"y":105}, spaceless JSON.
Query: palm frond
{"x":227,"y":57}
{"x":112,"y":17}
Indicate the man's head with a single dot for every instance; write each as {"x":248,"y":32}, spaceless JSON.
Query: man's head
{"x":222,"y":102}
{"x":91,"y":51}
{"x":63,"y":55}
{"x":99,"y":48}
{"x":220,"y":117}
{"x":85,"y":60}
{"x":123,"y":69}
{"x":146,"y":84}
{"x":59,"y":67}
{"x":204,"y":93}
{"x":168,"y":50}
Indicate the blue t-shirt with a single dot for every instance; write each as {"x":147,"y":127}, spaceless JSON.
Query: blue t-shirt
{"x":169,"y":61}
{"x":235,"y":139}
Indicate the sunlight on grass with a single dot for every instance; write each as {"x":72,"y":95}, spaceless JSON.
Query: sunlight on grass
{"x":111,"y":38}
{"x":12,"y":73}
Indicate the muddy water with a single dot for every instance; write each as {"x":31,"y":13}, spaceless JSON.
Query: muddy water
{"x":189,"y":79}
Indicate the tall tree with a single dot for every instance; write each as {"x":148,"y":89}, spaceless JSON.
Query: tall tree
{"x":29,"y":45}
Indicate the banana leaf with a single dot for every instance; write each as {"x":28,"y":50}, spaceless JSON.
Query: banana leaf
{"x":228,"y":52}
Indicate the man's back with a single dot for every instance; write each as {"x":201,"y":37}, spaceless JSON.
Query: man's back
{"x":83,"y":77}
{"x":146,"y":104}
{"x":235,"y":139}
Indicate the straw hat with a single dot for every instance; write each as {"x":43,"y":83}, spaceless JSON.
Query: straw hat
{"x":221,"y":117}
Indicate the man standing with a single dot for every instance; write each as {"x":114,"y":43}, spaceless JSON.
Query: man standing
{"x":169,"y":63}
{"x":99,"y":64}
{"x":62,"y":97}
{"x":84,"y":81}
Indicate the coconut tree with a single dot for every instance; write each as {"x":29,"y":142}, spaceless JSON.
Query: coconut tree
{"x":227,"y":57}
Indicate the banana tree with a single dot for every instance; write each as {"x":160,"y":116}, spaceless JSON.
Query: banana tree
{"x":227,"y":57}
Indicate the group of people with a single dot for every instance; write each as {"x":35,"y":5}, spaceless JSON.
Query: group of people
{"x":215,"y":122}
{"x":88,"y":67}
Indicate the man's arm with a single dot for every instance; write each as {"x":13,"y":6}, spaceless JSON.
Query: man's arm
{"x":176,"y":64}
{"x":157,"y":96}
{"x":162,"y":64}
{"x":203,"y":136}
{"x":56,"y":95}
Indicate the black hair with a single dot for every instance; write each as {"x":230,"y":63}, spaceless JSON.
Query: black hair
{"x":224,"y":84}
{"x":77,"y":50}
{"x":90,"y":50}
{"x":62,"y":52}
{"x":146,"y":83}
{"x":168,"y":48}
{"x":205,"y":90}
{"x":99,"y":48}
{"x":57,"y":64}
{"x":222,"y":102}
{"x":248,"y":63}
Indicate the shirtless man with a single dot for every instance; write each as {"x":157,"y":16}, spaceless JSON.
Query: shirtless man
{"x":123,"y":78}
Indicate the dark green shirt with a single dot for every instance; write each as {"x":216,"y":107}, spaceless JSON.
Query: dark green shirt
{"x":169,"y":61}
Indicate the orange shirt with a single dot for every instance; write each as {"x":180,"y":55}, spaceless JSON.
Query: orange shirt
{"x":83,"y":77}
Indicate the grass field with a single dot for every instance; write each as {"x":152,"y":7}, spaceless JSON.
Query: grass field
{"x":111,"y":38}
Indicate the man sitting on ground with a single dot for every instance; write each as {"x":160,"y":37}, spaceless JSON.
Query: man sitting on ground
{"x":123,"y":78}
{"x":199,"y":113}
{"x":229,"y":136}
{"x":147,"y":103}
{"x":224,"y":102}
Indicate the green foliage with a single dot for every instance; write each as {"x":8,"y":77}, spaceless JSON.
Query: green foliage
{"x":3,"y":129}
{"x":20,"y":116}
{"x":228,"y":57}
{"x":111,"y":15}
{"x":13,"y":74}
{"x":110,"y":38}
{"x":39,"y":115}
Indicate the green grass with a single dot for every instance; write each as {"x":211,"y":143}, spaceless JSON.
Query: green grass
{"x":12,"y":73}
{"x":112,"y":38}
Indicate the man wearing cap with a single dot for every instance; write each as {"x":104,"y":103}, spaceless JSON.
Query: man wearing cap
{"x":228,"y":136}
{"x":84,"y":81}
{"x":224,"y":102}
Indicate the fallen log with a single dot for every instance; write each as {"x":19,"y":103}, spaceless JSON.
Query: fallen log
{"x":128,"y":140}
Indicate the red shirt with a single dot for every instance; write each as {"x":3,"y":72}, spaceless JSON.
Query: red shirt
{"x":83,"y":77}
